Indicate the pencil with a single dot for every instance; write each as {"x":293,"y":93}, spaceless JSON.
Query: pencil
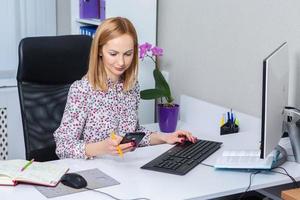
{"x":120,"y":152}
{"x":27,"y":164}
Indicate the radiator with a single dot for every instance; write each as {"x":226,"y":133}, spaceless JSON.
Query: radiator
{"x":3,"y":134}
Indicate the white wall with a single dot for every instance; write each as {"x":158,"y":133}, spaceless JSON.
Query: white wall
{"x":214,"y":48}
{"x":63,"y":17}
{"x":8,"y":41}
{"x":22,"y":18}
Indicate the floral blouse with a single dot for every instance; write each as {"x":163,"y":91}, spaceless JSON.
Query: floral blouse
{"x":91,"y":116}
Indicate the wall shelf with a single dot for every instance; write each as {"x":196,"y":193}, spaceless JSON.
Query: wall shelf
{"x":89,"y":21}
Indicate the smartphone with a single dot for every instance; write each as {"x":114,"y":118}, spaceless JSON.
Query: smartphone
{"x":133,"y":137}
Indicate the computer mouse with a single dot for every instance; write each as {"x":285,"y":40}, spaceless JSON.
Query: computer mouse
{"x":73,"y":180}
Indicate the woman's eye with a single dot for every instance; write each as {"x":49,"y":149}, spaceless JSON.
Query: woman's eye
{"x":128,"y":54}
{"x":113,"y":54}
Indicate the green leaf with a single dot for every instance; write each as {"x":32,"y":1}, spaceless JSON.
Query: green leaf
{"x":161,"y":84}
{"x":151,"y":94}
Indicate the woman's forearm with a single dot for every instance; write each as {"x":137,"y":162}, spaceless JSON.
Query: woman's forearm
{"x":94,"y":149}
{"x":157,"y":138}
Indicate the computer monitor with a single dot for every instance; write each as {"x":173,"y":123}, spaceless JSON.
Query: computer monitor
{"x":274,"y":98}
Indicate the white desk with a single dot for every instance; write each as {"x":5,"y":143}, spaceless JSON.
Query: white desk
{"x":200,"y":183}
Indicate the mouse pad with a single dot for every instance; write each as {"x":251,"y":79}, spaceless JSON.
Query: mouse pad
{"x":94,"y":177}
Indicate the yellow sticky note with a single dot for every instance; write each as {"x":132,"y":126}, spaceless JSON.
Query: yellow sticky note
{"x":222,"y":122}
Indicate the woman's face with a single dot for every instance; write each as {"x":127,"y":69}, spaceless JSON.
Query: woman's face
{"x":117,"y":55}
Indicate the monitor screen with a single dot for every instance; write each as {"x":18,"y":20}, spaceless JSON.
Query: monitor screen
{"x":274,"y":98}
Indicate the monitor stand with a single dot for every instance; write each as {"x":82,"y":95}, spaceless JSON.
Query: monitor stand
{"x":292,"y":126}
{"x":282,"y":157}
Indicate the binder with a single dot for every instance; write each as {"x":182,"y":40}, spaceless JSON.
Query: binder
{"x":89,"y":9}
{"x":102,"y":9}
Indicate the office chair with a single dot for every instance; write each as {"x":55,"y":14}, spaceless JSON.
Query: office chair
{"x":47,"y":68}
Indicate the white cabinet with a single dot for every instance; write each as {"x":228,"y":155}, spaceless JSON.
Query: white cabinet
{"x":143,"y":14}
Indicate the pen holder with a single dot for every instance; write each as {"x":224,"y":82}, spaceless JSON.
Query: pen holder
{"x":229,"y":128}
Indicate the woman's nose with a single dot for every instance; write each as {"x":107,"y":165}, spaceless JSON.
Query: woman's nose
{"x":121,"y":60}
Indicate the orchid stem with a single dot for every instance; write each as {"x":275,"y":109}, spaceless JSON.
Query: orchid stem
{"x":152,"y":60}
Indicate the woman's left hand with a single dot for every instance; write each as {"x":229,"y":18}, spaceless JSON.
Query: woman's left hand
{"x":179,"y":136}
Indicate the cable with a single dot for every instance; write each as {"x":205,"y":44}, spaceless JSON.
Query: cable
{"x":250,"y":182}
{"x":142,"y":198}
{"x":208,"y":165}
{"x":287,"y":174}
{"x":256,"y":172}
{"x":294,"y":182}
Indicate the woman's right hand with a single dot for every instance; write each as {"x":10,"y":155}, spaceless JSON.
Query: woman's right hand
{"x":108,"y":146}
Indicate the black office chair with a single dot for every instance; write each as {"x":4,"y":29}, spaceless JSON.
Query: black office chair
{"x":47,"y":68}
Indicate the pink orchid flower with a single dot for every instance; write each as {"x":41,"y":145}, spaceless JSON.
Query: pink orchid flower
{"x":157,"y":51}
{"x":144,"y":48}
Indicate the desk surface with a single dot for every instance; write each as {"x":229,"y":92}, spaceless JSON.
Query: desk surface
{"x":202,"y":182}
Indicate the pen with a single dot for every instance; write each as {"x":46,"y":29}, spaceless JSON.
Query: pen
{"x":113,"y":137}
{"x":27,"y":164}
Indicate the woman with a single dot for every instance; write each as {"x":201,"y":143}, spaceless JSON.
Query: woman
{"x":106,"y":99}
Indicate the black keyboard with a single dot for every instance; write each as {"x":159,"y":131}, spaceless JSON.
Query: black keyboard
{"x":182,"y":158}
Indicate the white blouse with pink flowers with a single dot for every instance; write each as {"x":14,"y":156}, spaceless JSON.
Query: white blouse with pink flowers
{"x":91,"y":116}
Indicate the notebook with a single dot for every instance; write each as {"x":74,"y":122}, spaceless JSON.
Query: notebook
{"x":40,"y":173}
{"x":244,"y":159}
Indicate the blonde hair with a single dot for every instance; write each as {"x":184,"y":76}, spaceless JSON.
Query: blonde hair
{"x":109,"y":29}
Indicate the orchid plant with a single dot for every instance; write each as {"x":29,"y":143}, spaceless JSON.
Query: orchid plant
{"x":162,"y":89}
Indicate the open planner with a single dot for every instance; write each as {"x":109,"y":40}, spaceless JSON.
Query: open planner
{"x":40,"y":173}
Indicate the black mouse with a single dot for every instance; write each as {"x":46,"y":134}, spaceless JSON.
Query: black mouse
{"x":73,"y":180}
